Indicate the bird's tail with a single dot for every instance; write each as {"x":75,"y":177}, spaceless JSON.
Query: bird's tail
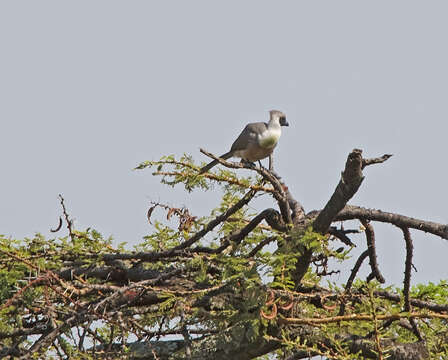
{"x":215,"y":162}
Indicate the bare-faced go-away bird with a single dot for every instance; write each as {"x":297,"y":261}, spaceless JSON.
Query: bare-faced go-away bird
{"x":257,"y":141}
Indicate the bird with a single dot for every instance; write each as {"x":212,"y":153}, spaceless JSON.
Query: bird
{"x":256,"y":142}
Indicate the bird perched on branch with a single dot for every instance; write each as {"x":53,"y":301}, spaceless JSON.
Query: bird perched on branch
{"x":257,"y":141}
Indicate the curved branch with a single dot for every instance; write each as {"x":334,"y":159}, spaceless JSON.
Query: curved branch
{"x":351,"y":212}
{"x":414,"y":302}
{"x":370,"y":236}
{"x":363,"y":317}
{"x":279,"y":193}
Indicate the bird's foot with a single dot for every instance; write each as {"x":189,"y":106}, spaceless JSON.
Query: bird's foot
{"x":248,"y":163}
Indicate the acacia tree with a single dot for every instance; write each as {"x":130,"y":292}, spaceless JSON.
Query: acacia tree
{"x":236,"y":284}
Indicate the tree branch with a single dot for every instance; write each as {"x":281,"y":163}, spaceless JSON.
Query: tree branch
{"x":218,"y":220}
{"x":349,"y":184}
{"x":351,"y":212}
{"x":378,"y":160}
{"x":407,"y":279}
{"x":279,"y":194}
{"x":370,"y":236}
{"x":352,"y":277}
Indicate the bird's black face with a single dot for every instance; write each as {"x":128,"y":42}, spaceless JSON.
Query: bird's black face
{"x":283,"y":121}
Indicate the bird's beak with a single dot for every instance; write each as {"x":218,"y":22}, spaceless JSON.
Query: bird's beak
{"x":283,"y":121}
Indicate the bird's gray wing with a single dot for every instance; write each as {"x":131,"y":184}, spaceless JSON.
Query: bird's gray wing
{"x":249,"y":136}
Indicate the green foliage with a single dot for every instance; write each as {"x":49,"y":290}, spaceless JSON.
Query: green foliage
{"x":430,"y":291}
{"x":280,"y":268}
{"x":185,"y":171}
{"x":223,"y":294}
{"x":163,"y":238}
{"x":310,"y":239}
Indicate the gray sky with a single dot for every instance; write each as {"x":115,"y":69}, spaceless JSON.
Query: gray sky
{"x":89,"y":89}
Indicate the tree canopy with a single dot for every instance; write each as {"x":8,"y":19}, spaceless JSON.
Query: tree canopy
{"x":240,"y":283}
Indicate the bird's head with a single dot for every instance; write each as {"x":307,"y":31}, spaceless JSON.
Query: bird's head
{"x":278,"y":117}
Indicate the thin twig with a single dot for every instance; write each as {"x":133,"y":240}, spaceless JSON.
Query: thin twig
{"x":67,"y":218}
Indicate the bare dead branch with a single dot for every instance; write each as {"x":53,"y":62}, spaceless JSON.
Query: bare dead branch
{"x":355,"y":270}
{"x":407,"y":279}
{"x":238,"y":236}
{"x":378,"y":160}
{"x":352,"y":277}
{"x":342,"y":235}
{"x":370,"y":236}
{"x":351,"y":212}
{"x":408,"y":268}
{"x":363,"y":317}
{"x":349,"y":184}
{"x":414,"y":302}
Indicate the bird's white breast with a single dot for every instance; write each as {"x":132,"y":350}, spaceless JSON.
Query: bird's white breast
{"x":270,"y":137}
